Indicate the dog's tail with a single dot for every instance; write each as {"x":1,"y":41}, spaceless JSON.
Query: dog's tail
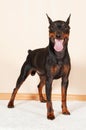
{"x":33,"y":72}
{"x":29,"y":51}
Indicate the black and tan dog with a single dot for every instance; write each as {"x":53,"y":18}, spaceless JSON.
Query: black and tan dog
{"x":50,"y":63}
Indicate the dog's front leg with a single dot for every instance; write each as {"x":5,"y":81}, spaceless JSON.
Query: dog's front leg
{"x":64,"y":95}
{"x":50,"y":111}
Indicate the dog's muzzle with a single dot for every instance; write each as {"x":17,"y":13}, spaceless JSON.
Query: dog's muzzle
{"x":58,"y":40}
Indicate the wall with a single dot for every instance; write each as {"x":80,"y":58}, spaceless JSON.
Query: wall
{"x":24,"y":25}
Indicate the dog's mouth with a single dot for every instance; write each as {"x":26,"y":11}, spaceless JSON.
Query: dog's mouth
{"x":58,"y":46}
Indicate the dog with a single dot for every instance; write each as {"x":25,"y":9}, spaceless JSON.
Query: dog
{"x":51,"y":62}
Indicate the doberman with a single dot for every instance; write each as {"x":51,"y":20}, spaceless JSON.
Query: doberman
{"x":52,"y":62}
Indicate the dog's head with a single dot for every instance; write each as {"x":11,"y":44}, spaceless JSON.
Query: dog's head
{"x":59,"y":33}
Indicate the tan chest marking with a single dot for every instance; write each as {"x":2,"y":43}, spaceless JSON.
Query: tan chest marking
{"x":66,"y":69}
{"x":54,"y":69}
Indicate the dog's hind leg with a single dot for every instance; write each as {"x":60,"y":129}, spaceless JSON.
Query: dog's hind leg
{"x":25,"y":71}
{"x":40,"y":87}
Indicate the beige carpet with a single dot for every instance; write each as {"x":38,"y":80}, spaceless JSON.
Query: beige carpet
{"x":31,"y":115}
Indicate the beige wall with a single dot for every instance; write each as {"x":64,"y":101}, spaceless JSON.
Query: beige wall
{"x":23,"y":25}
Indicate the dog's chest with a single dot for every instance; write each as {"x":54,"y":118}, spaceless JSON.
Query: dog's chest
{"x":56,"y":70}
{"x":54,"y":66}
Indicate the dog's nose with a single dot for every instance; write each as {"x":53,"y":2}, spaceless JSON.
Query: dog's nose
{"x":58,"y":36}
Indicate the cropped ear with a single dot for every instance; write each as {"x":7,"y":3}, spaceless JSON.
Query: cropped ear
{"x":49,"y":19}
{"x":68,"y":20}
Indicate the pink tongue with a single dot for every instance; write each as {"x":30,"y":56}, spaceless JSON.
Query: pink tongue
{"x":58,"y":45}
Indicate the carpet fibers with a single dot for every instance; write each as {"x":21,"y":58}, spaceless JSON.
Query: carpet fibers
{"x":31,"y":115}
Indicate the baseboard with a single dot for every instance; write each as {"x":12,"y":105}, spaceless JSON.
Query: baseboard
{"x":24,"y":96}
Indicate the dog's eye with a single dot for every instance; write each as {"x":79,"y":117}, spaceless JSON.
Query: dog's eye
{"x":52,"y":28}
{"x":66,"y":29}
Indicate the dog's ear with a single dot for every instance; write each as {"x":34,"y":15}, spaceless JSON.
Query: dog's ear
{"x":68,"y":20}
{"x":49,"y":19}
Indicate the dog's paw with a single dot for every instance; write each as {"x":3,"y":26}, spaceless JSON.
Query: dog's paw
{"x":50,"y":116}
{"x":43,"y":99}
{"x":65,"y":112}
{"x":10,"y":105}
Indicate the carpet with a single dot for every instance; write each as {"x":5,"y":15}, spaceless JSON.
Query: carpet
{"x":31,"y":115}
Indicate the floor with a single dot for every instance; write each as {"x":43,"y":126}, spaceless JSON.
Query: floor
{"x":31,"y":115}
